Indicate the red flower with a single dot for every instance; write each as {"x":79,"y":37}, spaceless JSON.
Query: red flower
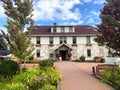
{"x":69,"y":54}
{"x":58,"y":55}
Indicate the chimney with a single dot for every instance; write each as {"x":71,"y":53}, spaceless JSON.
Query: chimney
{"x":54,"y":23}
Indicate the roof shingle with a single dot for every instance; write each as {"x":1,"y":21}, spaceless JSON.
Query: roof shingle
{"x":79,"y":30}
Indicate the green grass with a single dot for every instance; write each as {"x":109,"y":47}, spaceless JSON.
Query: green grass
{"x":2,"y":85}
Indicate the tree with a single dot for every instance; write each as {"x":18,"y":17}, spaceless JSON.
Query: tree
{"x":3,"y":45}
{"x":19,"y":14}
{"x":110,"y":26}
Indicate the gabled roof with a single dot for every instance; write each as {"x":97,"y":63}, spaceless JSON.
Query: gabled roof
{"x":61,"y":45}
{"x":79,"y":30}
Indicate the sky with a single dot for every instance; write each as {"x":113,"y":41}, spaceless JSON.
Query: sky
{"x":63,"y":12}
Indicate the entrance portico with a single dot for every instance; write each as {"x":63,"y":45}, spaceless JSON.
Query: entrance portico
{"x":64,"y":50}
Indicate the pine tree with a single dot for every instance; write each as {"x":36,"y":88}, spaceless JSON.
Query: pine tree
{"x":110,"y":26}
{"x":19,"y":13}
{"x":3,"y":45}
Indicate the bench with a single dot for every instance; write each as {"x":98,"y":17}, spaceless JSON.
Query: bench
{"x":35,"y":61}
{"x":101,"y":67}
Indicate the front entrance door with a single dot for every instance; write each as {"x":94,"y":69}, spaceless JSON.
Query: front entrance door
{"x":63,"y":54}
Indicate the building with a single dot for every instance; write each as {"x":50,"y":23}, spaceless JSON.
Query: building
{"x":69,"y":42}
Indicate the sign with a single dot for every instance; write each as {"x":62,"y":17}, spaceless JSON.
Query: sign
{"x":112,"y":60}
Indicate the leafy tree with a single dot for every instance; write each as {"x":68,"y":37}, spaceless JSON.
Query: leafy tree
{"x":19,"y":13}
{"x":3,"y":45}
{"x":110,"y":26}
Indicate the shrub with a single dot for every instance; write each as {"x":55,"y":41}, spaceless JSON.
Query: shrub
{"x":52,"y":74}
{"x":48,"y":87}
{"x":8,"y":68}
{"x":112,"y":76}
{"x":27,"y":77}
{"x":46,"y":63}
{"x":39,"y":82}
{"x":82,"y":58}
{"x":96,"y":58}
{"x":15,"y":86}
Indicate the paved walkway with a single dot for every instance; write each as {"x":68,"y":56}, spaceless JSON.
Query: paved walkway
{"x":76,"y":78}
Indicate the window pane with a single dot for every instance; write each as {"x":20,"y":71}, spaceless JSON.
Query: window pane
{"x":74,"y":40}
{"x":88,"y":40}
{"x":54,"y":29}
{"x":38,"y":54}
{"x":89,"y":53}
{"x":70,"y":29}
{"x":65,"y":40}
{"x":61,"y":40}
{"x":51,"y":40}
{"x":38,"y":40}
{"x":51,"y":56}
{"x":62,"y":29}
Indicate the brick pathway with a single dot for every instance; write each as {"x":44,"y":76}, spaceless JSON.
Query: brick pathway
{"x":74,"y":77}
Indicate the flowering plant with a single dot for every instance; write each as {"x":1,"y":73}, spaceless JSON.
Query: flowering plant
{"x":58,"y":55}
{"x":69,"y":54}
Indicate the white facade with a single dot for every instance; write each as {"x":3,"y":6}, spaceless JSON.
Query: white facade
{"x":63,"y":44}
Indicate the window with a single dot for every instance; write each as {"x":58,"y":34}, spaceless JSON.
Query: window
{"x":50,"y":40}
{"x":54,"y":29}
{"x":74,"y":40}
{"x":38,"y":40}
{"x":63,"y":40}
{"x":51,"y":56}
{"x":38,"y":53}
{"x":70,"y":29}
{"x":101,"y":51}
{"x":88,"y":40}
{"x":62,"y":29}
{"x":89,"y":53}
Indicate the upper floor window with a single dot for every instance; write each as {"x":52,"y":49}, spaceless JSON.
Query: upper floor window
{"x":74,"y":40}
{"x":38,"y":40}
{"x":63,"y":40}
{"x":50,"y":40}
{"x":62,"y":29}
{"x":88,"y":40}
{"x":54,"y":29}
{"x":38,"y":53}
{"x":70,"y":29}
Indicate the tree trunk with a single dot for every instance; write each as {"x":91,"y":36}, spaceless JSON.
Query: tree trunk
{"x":20,"y":66}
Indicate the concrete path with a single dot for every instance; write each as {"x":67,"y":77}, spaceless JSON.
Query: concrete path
{"x":75,"y":78}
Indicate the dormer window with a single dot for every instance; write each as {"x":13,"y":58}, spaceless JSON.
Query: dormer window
{"x":62,"y":29}
{"x":54,"y":29}
{"x":70,"y":29}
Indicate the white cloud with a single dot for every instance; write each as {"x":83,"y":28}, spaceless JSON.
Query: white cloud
{"x":52,"y":10}
{"x":87,"y":1}
{"x":92,"y":17}
{"x":2,"y":15}
{"x":99,"y":1}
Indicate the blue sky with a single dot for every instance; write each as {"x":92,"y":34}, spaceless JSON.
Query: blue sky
{"x":63,"y":12}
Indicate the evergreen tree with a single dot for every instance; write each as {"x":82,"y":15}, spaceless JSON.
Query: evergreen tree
{"x":3,"y":45}
{"x":110,"y":26}
{"x":19,"y":13}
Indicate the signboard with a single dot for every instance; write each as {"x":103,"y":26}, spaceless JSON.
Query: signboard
{"x":112,"y":60}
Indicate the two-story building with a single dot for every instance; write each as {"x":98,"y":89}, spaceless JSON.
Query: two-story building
{"x":66,"y":41}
